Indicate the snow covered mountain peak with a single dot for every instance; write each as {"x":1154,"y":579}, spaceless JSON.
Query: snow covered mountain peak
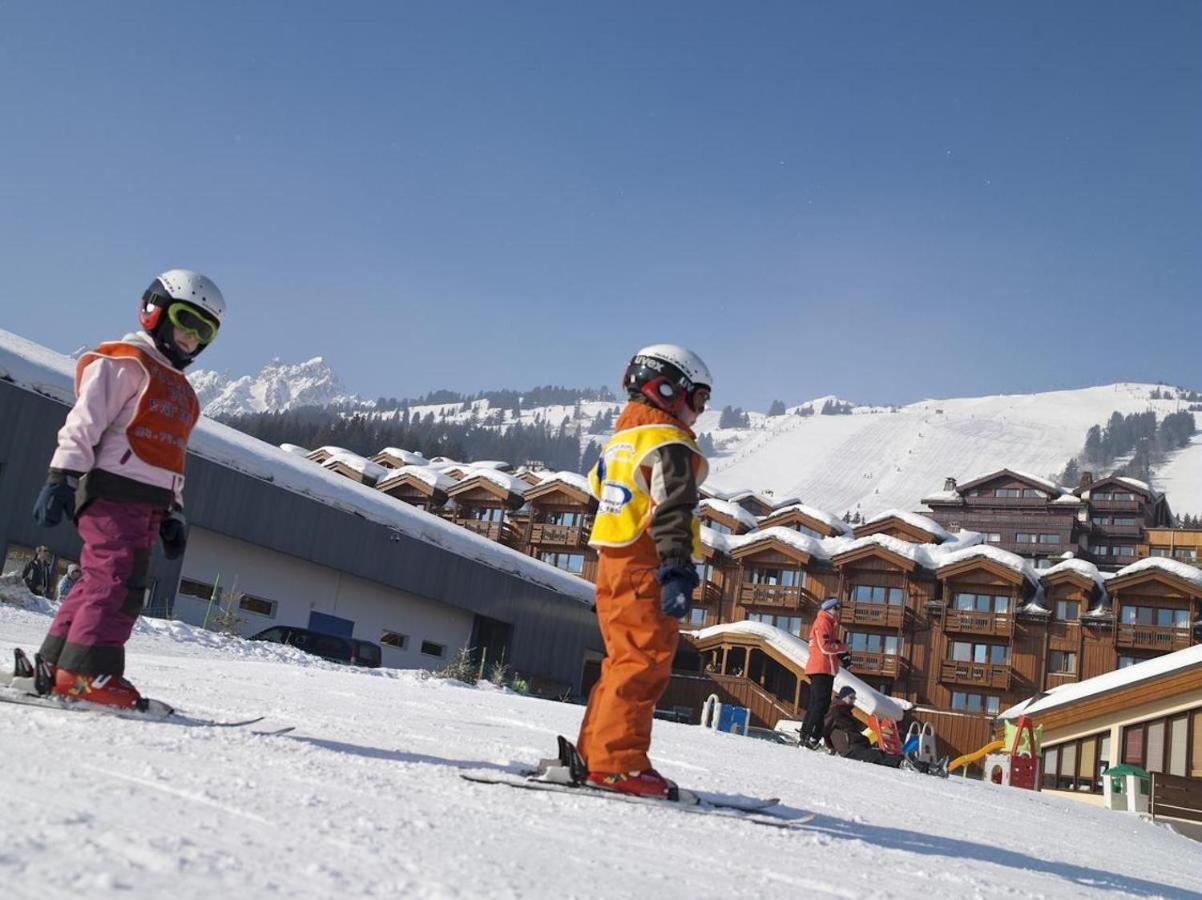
{"x":278,"y":386}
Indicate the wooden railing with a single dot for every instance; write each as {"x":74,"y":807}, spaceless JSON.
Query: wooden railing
{"x":975,"y":674}
{"x":1176,"y":797}
{"x":769,"y":595}
{"x":879,"y":614}
{"x":763,"y":705}
{"x":562,"y":535}
{"x":707,"y":593}
{"x":1152,"y":637}
{"x":501,"y":532}
{"x":865,"y":663}
{"x":978,"y":622}
{"x":1117,"y":505}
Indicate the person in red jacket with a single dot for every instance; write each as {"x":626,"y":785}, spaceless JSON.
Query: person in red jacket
{"x":826,"y":653}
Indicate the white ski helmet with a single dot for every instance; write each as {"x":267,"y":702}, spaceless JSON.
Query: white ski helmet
{"x":187,"y":287}
{"x":669,"y":376}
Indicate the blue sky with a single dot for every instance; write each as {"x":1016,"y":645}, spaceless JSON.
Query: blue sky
{"x":885,"y":201}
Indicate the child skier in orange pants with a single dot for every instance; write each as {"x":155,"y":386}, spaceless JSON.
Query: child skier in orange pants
{"x":648,"y":539}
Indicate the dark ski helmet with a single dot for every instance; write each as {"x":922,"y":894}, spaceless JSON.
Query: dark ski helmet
{"x":183,"y":299}
{"x":669,"y":377}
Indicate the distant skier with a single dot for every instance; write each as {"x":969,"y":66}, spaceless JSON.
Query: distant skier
{"x":826,"y":654}
{"x":118,"y":472}
{"x":648,"y":540}
{"x":845,"y":737}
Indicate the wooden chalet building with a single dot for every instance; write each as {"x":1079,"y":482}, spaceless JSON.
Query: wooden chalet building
{"x":419,"y":486}
{"x":561,"y":510}
{"x":1181,"y":544}
{"x":487,"y":502}
{"x":1026,"y":515}
{"x":1120,"y":512}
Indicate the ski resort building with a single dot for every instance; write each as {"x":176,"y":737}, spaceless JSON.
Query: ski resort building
{"x":280,"y":539}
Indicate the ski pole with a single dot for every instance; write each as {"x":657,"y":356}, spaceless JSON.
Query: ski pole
{"x":212,"y":597}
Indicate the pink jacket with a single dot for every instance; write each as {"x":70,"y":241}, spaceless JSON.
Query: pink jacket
{"x":93,"y":437}
{"x":825,"y":646}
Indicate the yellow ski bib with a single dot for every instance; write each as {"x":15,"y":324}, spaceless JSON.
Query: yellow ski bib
{"x":618,"y":483}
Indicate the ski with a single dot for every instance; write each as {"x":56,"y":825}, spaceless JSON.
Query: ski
{"x":156,"y":710}
{"x":755,"y":811}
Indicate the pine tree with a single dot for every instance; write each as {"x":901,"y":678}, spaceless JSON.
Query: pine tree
{"x":777,"y":408}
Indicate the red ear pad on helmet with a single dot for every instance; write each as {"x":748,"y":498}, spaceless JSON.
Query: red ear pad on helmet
{"x":149,"y":315}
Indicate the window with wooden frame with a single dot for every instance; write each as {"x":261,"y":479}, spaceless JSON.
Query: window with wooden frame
{"x":1076,"y":765}
{"x":1062,"y":662}
{"x":1172,"y":745}
{"x":974,"y":652}
{"x":870,"y":593}
{"x":1068,"y":610}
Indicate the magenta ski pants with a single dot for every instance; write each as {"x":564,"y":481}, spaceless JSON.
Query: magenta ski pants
{"x":93,"y":623}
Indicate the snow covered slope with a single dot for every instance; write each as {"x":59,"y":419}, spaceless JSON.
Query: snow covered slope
{"x":876,"y":458}
{"x":365,"y":800}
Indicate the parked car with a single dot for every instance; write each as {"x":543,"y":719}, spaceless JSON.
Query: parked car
{"x":767,"y":734}
{"x":352,"y":651}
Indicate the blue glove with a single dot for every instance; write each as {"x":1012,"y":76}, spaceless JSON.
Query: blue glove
{"x":173,"y":531}
{"x":56,"y":497}
{"x":677,"y":581}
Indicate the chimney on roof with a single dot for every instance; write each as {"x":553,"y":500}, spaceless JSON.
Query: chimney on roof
{"x":1086,"y":479}
{"x":949,"y":484}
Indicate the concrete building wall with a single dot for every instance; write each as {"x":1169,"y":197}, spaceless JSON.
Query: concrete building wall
{"x":297,"y":587}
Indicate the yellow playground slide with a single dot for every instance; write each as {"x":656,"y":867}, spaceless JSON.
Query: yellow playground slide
{"x":968,"y":758}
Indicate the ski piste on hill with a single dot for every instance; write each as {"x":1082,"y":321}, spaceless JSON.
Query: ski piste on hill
{"x":869,"y":460}
{"x":365,"y":798}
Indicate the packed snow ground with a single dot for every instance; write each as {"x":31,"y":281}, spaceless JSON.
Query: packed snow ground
{"x":364,"y":799}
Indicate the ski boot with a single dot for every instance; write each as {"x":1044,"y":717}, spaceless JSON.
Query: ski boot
{"x":107,"y":690}
{"x":35,"y":677}
{"x":648,"y":783}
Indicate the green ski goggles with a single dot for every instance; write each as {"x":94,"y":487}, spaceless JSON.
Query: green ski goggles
{"x":186,"y":317}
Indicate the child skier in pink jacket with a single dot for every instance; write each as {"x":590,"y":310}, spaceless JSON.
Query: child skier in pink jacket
{"x":118,"y":472}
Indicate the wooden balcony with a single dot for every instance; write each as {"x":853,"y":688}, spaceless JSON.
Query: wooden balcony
{"x":1115,"y":531}
{"x":501,"y":532}
{"x":707,"y":593}
{"x":882,"y":664}
{"x":1160,"y":638}
{"x":975,"y":674}
{"x":1135,"y":506}
{"x":881,"y":615}
{"x":1006,"y":502}
{"x":770,"y":595}
{"x":971,"y":621}
{"x":560,"y":535}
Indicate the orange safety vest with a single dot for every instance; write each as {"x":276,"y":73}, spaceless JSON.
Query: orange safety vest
{"x":167,"y":407}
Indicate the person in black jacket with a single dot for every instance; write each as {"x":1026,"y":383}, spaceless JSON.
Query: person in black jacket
{"x":38,"y":573}
{"x":844,"y":735}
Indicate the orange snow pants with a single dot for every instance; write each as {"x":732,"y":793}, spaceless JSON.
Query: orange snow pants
{"x":640,"y":642}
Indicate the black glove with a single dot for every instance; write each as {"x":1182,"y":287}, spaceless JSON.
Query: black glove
{"x":173,"y":531}
{"x":677,"y":581}
{"x":56,"y":497}
{"x":845,"y":660}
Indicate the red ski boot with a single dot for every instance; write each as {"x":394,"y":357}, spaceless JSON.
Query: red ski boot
{"x":646,"y":784}
{"x":109,"y":690}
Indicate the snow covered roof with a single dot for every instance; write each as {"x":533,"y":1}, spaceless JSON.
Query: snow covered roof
{"x":731,"y":511}
{"x":436,"y":479}
{"x":362,"y":465}
{"x":1068,"y":499}
{"x":797,"y":651}
{"x":572,"y":479}
{"x":294,"y":448}
{"x":1081,"y":567}
{"x":819,"y":547}
{"x":943,"y":497}
{"x":511,"y":483}
{"x":408,"y":457}
{"x":328,"y":450}
{"x":1011,"y":561}
{"x":1190,"y":657}
{"x":1171,"y":566}
{"x":1050,"y":486}
{"x":923,"y":523}
{"x":818,"y":515}
{"x":38,"y":369}
{"x":1136,"y":483}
